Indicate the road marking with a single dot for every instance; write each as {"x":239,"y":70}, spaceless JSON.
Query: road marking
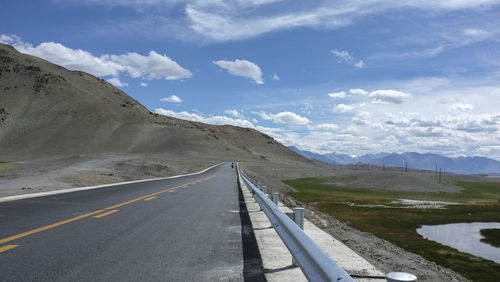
{"x":171,"y":191}
{"x":150,"y":198}
{"x":43,"y":228}
{"x":106,"y":213}
{"x":35,"y":195}
{"x":8,"y":247}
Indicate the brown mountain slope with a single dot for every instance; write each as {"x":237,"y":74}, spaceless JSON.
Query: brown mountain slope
{"x":49,"y":111}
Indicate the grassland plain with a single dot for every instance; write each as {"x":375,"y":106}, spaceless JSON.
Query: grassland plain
{"x":382,"y":213}
{"x":6,"y":166}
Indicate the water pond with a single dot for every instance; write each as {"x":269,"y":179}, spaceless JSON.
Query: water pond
{"x":464,"y":237}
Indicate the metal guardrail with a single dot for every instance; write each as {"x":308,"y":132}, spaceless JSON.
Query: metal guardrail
{"x":312,"y":260}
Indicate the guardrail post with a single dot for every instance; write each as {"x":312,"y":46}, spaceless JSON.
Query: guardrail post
{"x":400,"y":277}
{"x":298,"y":218}
{"x":276,"y":198}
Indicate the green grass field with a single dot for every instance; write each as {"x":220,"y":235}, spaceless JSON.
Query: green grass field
{"x":5,"y":166}
{"x":491,"y":236}
{"x":374,"y":211}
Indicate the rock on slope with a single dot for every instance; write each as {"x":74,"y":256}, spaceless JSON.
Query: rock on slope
{"x":49,"y":111}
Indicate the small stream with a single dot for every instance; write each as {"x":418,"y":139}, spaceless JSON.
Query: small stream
{"x":464,"y":237}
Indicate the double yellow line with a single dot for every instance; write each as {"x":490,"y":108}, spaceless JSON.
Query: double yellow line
{"x":108,"y":210}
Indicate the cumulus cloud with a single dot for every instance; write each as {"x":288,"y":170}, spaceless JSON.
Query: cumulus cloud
{"x":389,"y":96}
{"x":234,"y":113}
{"x":217,"y":120}
{"x":461,"y":107}
{"x":171,"y":99}
{"x":326,"y":126}
{"x":358,"y":91}
{"x":116,"y":82}
{"x":152,"y":66}
{"x":144,"y":84}
{"x":275,"y":77}
{"x":361,"y":119}
{"x":242,"y":68}
{"x":340,"y":94}
{"x":343,"y":108}
{"x":285,"y":118}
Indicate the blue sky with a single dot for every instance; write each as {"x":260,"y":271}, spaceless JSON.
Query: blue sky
{"x":350,"y":77}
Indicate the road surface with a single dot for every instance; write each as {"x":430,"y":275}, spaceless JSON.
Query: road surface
{"x":193,"y":228}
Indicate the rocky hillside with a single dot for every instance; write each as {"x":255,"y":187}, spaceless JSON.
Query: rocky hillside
{"x":49,"y":111}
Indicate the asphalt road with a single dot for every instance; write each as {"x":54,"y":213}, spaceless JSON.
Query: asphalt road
{"x":192,"y":228}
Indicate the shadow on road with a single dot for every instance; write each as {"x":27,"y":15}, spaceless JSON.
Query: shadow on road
{"x":252,"y":261}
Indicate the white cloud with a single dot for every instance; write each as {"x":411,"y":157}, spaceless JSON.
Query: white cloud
{"x":307,"y":108}
{"x":389,"y":96}
{"x":217,"y":120}
{"x":474,"y":32}
{"x":222,"y":20}
{"x":171,"y":99}
{"x":275,"y":77}
{"x":358,"y":91}
{"x":242,"y":68}
{"x":116,"y":82}
{"x":234,"y":113}
{"x":360,"y":64}
{"x":461,"y":107}
{"x":144,"y":84}
{"x":362,"y":119}
{"x":343,"y":55}
{"x":152,"y":66}
{"x":340,"y":94}
{"x":326,"y":126}
{"x":343,"y":108}
{"x":285,"y":118}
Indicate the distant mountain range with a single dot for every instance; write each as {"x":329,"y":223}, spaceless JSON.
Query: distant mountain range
{"x":461,"y":165}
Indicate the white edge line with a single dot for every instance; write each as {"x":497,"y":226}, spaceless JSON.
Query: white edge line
{"x":63,"y":191}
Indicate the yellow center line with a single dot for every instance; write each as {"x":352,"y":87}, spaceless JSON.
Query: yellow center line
{"x":50,"y":226}
{"x":171,"y":191}
{"x":8,"y":247}
{"x":106,"y":213}
{"x":150,"y":198}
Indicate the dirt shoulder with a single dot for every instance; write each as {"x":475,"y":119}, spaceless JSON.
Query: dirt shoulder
{"x":33,"y":176}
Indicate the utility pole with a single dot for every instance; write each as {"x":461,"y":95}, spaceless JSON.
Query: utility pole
{"x":439,"y":175}
{"x":436,"y":169}
{"x":406,"y":166}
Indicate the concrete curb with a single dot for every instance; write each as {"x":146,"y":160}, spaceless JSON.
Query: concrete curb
{"x":70,"y":190}
{"x":277,"y":260}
